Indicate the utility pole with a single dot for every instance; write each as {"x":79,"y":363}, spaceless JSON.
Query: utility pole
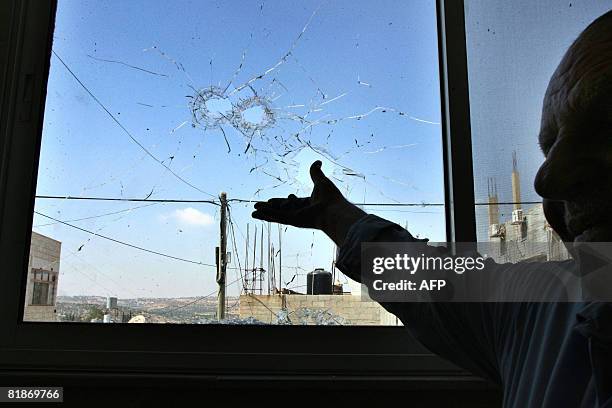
{"x":272,"y":270}
{"x":261,"y":262}
{"x":280,"y":259}
{"x":269,"y":269}
{"x":222,"y":258}
{"x":254,"y":282}
{"x":246,"y":262}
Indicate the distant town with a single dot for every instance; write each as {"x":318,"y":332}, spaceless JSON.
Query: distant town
{"x":154,"y":310}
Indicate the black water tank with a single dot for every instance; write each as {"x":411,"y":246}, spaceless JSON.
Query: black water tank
{"x":319,"y":282}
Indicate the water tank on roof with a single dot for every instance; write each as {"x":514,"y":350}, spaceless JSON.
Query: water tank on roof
{"x":319,"y":282}
{"x":517,"y":216}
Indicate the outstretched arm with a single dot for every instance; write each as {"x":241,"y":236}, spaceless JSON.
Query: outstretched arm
{"x":444,"y":328}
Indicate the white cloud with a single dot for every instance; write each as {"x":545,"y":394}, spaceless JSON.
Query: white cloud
{"x":191,"y":216}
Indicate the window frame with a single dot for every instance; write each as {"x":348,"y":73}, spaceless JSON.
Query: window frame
{"x":50,"y":296}
{"x":207,"y":351}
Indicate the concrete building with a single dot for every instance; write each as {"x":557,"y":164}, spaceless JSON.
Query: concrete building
{"x":340,"y":309}
{"x":526,"y":235}
{"x":42,"y":279}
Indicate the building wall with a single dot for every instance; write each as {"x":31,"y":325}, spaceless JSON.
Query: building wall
{"x":312,"y":309}
{"x":45,"y":254}
{"x":533,"y":239}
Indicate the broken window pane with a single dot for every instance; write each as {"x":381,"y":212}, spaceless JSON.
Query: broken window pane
{"x":154,"y":108}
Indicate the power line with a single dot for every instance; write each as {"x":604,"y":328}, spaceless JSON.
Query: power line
{"x":109,"y":293}
{"x":149,"y":200}
{"x":510,"y":203}
{"x":241,"y":200}
{"x":191,"y":302}
{"x":422,"y":204}
{"x":124,"y":243}
{"x":127,"y":132}
{"x":96,"y":216}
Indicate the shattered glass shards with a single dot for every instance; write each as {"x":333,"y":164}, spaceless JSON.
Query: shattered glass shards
{"x":274,"y":133}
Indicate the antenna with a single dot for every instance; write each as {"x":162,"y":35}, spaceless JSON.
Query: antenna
{"x":516,"y":183}
{"x":253,"y":285}
{"x":246,"y":261}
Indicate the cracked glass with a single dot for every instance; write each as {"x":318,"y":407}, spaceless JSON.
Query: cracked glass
{"x":154,"y":108}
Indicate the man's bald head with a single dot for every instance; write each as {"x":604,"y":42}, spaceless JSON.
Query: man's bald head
{"x":576,"y":138}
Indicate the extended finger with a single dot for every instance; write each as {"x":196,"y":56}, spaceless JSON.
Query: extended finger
{"x":278,"y":202}
{"x":289,"y":204}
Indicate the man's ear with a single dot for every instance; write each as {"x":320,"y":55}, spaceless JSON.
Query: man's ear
{"x":554,"y":211}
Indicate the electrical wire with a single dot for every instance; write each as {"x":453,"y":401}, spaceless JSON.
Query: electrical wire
{"x":119,"y":285}
{"x":193,"y":301}
{"x":127,"y":132}
{"x":96,"y":216}
{"x":241,"y":200}
{"x":125,"y":243}
{"x":149,"y":200}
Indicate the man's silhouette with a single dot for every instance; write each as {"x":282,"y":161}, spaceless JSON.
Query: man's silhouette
{"x":543,"y":354}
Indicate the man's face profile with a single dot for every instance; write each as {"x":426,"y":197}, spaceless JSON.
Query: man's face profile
{"x":575,"y":179}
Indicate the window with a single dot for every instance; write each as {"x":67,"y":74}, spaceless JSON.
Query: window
{"x":152,"y":109}
{"x":40,"y":292}
{"x":43,"y":287}
{"x":211,"y":350}
{"x":513,"y":49}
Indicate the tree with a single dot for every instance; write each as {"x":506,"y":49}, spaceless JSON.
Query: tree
{"x":94,"y":312}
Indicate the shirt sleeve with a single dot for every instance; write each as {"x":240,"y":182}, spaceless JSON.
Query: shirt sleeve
{"x":463,"y":333}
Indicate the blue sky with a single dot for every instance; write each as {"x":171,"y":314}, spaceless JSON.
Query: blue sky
{"x":371,"y":55}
